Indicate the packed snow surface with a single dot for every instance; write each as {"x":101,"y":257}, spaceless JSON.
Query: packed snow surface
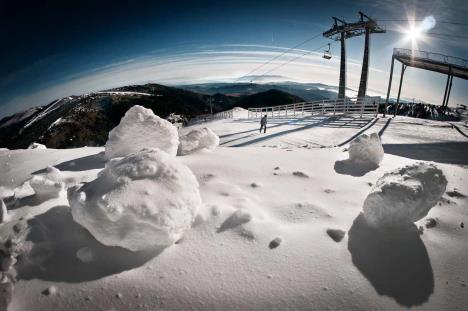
{"x":405,"y":195}
{"x":197,"y":139}
{"x":366,"y":150}
{"x":266,"y":239}
{"x":140,"y":128}
{"x":146,"y":199}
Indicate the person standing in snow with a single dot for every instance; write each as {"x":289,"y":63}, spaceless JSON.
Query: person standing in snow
{"x":263,"y":123}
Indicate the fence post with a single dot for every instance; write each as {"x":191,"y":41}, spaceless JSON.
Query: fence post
{"x":362,"y":106}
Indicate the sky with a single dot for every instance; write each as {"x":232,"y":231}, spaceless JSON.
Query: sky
{"x":52,"y":49}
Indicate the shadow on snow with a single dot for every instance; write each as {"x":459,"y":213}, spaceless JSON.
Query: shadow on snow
{"x":56,"y":238}
{"x":395,"y":262}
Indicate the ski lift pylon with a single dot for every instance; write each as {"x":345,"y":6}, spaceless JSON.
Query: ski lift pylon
{"x":327,"y":53}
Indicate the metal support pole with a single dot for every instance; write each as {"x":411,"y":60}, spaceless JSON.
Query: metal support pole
{"x":403,"y":68}
{"x":365,"y":66}
{"x":446,"y":90}
{"x":389,"y":86}
{"x":449,"y":90}
{"x":342,"y":86}
{"x":445,"y":101}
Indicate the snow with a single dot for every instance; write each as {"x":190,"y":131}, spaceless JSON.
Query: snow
{"x":147,"y":194}
{"x":252,"y":248}
{"x":85,"y":254}
{"x":123,"y":93}
{"x":37,"y":146}
{"x":366,"y":150}
{"x":51,"y":291}
{"x":404,"y":196}
{"x":49,"y":184}
{"x":46,"y":111}
{"x":197,"y":139}
{"x":140,"y":128}
{"x":55,"y":123}
{"x":3,"y":212}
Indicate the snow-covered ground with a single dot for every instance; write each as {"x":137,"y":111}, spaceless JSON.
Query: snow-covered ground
{"x":280,"y":227}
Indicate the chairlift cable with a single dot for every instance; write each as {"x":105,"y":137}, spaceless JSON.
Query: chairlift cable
{"x":279,"y":55}
{"x":293,"y":59}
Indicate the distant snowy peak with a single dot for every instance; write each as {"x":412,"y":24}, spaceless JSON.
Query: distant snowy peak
{"x":124,"y":93}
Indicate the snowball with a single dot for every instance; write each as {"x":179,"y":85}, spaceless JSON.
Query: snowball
{"x":51,"y":291}
{"x":197,"y":139}
{"x":140,"y":128}
{"x":37,"y":146}
{"x":367,"y":150}
{"x":49,"y":184}
{"x":405,"y":195}
{"x":146,"y":199}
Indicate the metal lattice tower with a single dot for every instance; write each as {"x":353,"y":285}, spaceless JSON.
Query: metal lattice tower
{"x":341,"y":31}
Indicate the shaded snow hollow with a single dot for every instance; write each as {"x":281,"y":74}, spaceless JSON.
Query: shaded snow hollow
{"x":138,"y":129}
{"x":143,"y":200}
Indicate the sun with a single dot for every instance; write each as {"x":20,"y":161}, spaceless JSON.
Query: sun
{"x":414,"y":33}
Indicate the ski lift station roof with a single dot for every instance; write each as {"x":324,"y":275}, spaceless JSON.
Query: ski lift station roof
{"x":457,"y":67}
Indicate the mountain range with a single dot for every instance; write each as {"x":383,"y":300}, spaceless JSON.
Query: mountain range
{"x":86,"y":120}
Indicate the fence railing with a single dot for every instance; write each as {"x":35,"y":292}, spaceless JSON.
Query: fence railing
{"x":436,"y":57}
{"x":210,"y":117}
{"x":223,"y":115}
{"x":355,"y":106}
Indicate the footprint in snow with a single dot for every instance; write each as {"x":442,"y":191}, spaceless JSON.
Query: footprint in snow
{"x":336,"y":234}
{"x":300,"y":174}
{"x":237,"y":218}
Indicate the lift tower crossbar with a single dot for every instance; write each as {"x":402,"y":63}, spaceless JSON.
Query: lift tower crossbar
{"x":340,"y":31}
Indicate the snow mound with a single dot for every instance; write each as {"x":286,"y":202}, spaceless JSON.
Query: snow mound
{"x":404,"y":195}
{"x":197,"y":139}
{"x":144,"y":200}
{"x":49,"y":184}
{"x":366,"y":150}
{"x":140,"y":128}
{"x":37,"y":146}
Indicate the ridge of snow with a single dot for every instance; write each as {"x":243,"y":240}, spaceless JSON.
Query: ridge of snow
{"x":123,"y":93}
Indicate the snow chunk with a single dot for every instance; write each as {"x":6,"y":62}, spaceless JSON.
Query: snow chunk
{"x":3,"y":212}
{"x":367,"y":150}
{"x":144,"y":200}
{"x":140,"y":128}
{"x":49,"y":184}
{"x":51,"y":291}
{"x":404,"y":195}
{"x":37,"y":146}
{"x":197,"y":139}
{"x":6,"y":192}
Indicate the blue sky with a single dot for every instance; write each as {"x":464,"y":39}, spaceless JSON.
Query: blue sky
{"x":52,"y":49}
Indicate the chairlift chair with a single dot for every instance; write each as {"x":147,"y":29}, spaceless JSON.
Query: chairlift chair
{"x":327,"y":53}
